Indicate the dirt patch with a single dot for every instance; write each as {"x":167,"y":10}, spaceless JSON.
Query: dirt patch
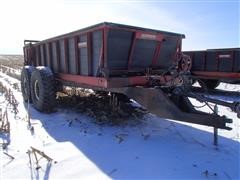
{"x":98,"y":107}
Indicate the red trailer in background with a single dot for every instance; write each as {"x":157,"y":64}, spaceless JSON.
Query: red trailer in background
{"x":143,"y":64}
{"x":213,"y":66}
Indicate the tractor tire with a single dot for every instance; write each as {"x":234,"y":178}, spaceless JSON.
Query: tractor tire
{"x":209,"y":83}
{"x":25,"y":83}
{"x":43,"y":90}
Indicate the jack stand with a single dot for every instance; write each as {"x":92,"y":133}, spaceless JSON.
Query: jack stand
{"x":215,"y":130}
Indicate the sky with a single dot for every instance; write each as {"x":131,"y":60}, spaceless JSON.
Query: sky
{"x":206,"y":24}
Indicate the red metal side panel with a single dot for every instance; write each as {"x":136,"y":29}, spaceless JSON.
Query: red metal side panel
{"x":103,"y":82}
{"x":85,"y":80}
{"x":216,"y":75}
{"x":115,"y":82}
{"x":85,"y":56}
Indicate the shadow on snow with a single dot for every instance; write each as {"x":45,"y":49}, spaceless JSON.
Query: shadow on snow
{"x":154,"y":148}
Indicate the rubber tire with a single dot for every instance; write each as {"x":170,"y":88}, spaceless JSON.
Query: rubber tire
{"x":45,"y":100}
{"x":209,"y":83}
{"x":25,"y":83}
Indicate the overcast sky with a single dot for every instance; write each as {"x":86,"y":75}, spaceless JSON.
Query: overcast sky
{"x":206,"y":24}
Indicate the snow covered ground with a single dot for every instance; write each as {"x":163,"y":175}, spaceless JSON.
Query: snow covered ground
{"x":153,"y":148}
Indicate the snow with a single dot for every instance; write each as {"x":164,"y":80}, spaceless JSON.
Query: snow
{"x":154,"y":148}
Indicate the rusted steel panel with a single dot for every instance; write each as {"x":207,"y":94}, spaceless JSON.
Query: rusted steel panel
{"x":48,"y":55}
{"x":107,"y":50}
{"x":216,"y":63}
{"x":96,"y":51}
{"x":72,"y":57}
{"x":82,"y":45}
{"x":42,"y":55}
{"x":62,"y":56}
{"x":66,"y":55}
{"x":38,"y":57}
{"x":130,"y":57}
{"x":77,"y":54}
{"x":55,"y":57}
{"x":89,"y":53}
{"x":156,"y":54}
{"x":168,"y":52}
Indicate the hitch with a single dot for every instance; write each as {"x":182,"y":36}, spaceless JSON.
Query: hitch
{"x":171,"y":106}
{"x":205,"y":97}
{"x":175,"y":105}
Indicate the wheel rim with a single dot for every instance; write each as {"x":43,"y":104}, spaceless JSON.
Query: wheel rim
{"x":36,"y":89}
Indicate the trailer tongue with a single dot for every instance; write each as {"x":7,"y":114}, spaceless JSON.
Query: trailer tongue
{"x":172,"y":106}
{"x":144,"y":64}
